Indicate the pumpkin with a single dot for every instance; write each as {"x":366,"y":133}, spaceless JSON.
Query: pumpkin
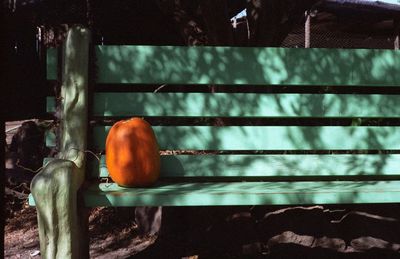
{"x":132,"y":153}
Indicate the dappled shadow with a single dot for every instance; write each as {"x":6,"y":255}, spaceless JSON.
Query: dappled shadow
{"x":221,"y":193}
{"x":262,"y":146}
{"x":252,"y":66}
{"x":270,"y":167}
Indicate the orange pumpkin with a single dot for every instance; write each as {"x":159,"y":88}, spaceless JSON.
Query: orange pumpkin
{"x":132,"y":153}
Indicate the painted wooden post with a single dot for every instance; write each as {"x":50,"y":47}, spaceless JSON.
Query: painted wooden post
{"x":55,"y":188}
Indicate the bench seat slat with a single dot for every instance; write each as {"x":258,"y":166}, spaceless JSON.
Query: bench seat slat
{"x":246,"y":105}
{"x":272,"y":165}
{"x":251,"y":66}
{"x":243,"y":193}
{"x":267,"y":137}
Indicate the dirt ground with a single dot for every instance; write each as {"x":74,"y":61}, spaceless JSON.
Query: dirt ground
{"x":258,"y":232}
{"x":21,"y":235}
{"x":109,"y":240}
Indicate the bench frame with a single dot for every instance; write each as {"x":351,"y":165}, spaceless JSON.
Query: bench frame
{"x":58,"y":191}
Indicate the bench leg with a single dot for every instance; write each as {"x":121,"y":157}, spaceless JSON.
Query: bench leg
{"x":61,"y":231}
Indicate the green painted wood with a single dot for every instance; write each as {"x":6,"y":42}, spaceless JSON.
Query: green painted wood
{"x":51,"y":64}
{"x":31,"y":201}
{"x":232,"y":104}
{"x":243,"y":193}
{"x":50,"y":104}
{"x":239,"y":65}
{"x":50,"y":138}
{"x":271,"y":165}
{"x":249,"y":104}
{"x":376,"y":67}
{"x":267,"y":137}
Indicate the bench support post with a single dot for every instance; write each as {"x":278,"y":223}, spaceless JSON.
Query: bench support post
{"x":55,"y":188}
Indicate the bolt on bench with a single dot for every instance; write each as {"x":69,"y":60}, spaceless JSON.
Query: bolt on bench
{"x":276,"y":126}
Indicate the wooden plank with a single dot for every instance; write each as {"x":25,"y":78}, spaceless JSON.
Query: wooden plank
{"x":244,"y":193}
{"x":31,"y":201}
{"x":50,"y":138}
{"x":376,"y":68}
{"x":239,"y":65}
{"x":267,"y":137}
{"x":50,"y":104}
{"x":51,"y":64}
{"x":246,"y":105}
{"x":272,"y":165}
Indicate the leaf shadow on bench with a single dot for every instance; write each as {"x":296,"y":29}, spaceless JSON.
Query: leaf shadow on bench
{"x":301,"y":66}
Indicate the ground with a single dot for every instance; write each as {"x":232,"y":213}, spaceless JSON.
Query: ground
{"x":109,"y":238}
{"x":296,"y":232}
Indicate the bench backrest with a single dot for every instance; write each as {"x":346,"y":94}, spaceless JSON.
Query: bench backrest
{"x":259,"y":113}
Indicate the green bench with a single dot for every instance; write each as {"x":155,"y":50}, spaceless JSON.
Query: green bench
{"x":248,"y":126}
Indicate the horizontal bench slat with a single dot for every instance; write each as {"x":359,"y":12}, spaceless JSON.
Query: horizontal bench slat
{"x":50,"y":138}
{"x":50,"y":104}
{"x":183,"y":176}
{"x":245,"y":105}
{"x":240,"y":104}
{"x":272,"y":165}
{"x":267,"y":137}
{"x":243,"y":193}
{"x":51,"y":64}
{"x":238,"y":65}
